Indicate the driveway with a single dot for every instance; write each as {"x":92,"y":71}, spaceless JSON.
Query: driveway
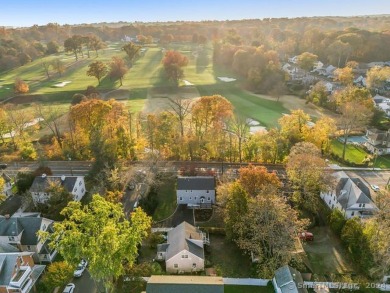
{"x":326,"y":254}
{"x":85,"y":284}
{"x":181,"y":214}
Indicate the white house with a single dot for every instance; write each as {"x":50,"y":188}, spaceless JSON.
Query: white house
{"x":196,"y":192}
{"x":288,"y":280}
{"x":21,"y":230}
{"x":351,"y":196}
{"x":184,"y":250}
{"x":73,"y":184}
{"x":378,"y":141}
{"x":18,"y":273}
{"x":7,"y":190}
{"x":382,"y":103}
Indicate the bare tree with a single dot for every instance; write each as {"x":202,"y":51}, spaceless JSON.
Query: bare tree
{"x":181,"y":108}
{"x":50,"y":115}
{"x":239,"y":127}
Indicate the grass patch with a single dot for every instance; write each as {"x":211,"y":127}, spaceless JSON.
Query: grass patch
{"x":353,"y":153}
{"x":227,"y":258}
{"x":265,"y":111}
{"x":249,"y":289}
{"x":166,"y":199}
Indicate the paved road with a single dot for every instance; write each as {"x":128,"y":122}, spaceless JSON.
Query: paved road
{"x":380,"y":178}
{"x":85,"y":284}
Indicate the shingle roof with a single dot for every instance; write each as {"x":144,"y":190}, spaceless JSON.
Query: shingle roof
{"x":287,"y":279}
{"x":187,"y":284}
{"x":196,"y":183}
{"x":183,"y":237}
{"x":28,"y":225}
{"x":40,"y":183}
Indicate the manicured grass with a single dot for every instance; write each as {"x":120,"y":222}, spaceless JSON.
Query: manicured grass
{"x":227,"y":258}
{"x":352,"y":153}
{"x":166,"y":198}
{"x":248,"y":289}
{"x":265,"y":111}
{"x":357,"y":154}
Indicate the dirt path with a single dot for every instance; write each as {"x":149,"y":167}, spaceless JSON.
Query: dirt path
{"x":158,"y":98}
{"x":293,"y":103}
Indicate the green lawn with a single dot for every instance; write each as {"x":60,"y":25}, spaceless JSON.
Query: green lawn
{"x":227,"y":258}
{"x":356,"y":154}
{"x":166,"y":198}
{"x":248,"y":289}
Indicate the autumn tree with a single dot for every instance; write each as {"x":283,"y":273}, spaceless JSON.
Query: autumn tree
{"x":254,"y":179}
{"x":74,"y":45}
{"x":356,"y":110}
{"x":52,"y":47}
{"x":267,"y":213}
{"x":306,"y":60}
{"x":321,"y":133}
{"x":131,"y":50}
{"x":377,"y":77}
{"x":96,"y":44}
{"x":294,"y":126}
{"x":97,"y":69}
{"x":58,"y":66}
{"x":344,"y":75}
{"x":239,"y":127}
{"x":57,"y":274}
{"x":307,"y":172}
{"x":319,"y":94}
{"x":20,"y":86}
{"x":173,"y":63}
{"x":100,"y":233}
{"x":118,"y":68}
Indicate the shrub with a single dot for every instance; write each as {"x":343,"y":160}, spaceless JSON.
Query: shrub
{"x":21,"y":87}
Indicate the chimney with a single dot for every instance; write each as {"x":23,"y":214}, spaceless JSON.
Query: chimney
{"x":43,"y":175}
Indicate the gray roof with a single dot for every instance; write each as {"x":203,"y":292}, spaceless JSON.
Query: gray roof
{"x":7,"y":266}
{"x":28,"y":225}
{"x":288,"y":280}
{"x":196,"y":183}
{"x":187,"y":284}
{"x":181,"y":238}
{"x":350,"y":191}
{"x":41,"y":184}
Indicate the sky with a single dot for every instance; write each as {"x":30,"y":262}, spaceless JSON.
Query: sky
{"x":20,"y":13}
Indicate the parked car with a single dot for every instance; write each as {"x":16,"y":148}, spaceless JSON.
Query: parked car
{"x":306,"y":236}
{"x":69,"y":288}
{"x":80,"y":268}
{"x":3,"y":166}
{"x":375,"y":187}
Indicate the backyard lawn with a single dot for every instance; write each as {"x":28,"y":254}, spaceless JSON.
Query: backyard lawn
{"x":227,"y":259}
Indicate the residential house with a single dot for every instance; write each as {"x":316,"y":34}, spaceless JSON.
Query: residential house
{"x":327,"y":71}
{"x":187,"y":284}
{"x":7,"y":190}
{"x":18,"y":273}
{"x":73,"y":184}
{"x":196,"y":192}
{"x":295,"y":73}
{"x":21,"y":231}
{"x":378,"y":141}
{"x":351,"y":196}
{"x":288,"y":280}
{"x":184,"y":250}
{"x":360,"y":81}
{"x":382,"y":103}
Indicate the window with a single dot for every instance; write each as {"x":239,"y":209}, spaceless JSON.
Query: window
{"x":175,"y":265}
{"x":184,"y":256}
{"x":207,"y":191}
{"x":194,"y":265}
{"x":82,"y":190}
{"x":75,"y":190}
{"x":80,"y":183}
{"x":28,"y":247}
{"x":190,"y":198}
{"x":11,"y":238}
{"x":329,"y":201}
{"x":44,"y":227}
{"x":209,"y":198}
{"x":191,"y":190}
{"x":180,"y":198}
{"x":352,"y":214}
{"x":195,"y":197}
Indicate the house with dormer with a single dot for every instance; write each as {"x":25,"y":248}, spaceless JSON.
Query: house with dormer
{"x":21,"y":231}
{"x":75,"y":185}
{"x":351,"y":196}
{"x":18,"y":273}
{"x":184,"y":250}
{"x":378,"y":141}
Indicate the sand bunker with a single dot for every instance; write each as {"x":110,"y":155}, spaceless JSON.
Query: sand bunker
{"x":226,"y":79}
{"x":186,"y":82}
{"x":62,"y":84}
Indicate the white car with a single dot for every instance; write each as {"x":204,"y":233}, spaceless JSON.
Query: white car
{"x":69,"y":288}
{"x":80,"y":268}
{"x":375,"y":187}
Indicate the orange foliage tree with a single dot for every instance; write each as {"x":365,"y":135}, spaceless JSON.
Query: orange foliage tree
{"x":173,"y":62}
{"x":255,"y":178}
{"x":21,"y":87}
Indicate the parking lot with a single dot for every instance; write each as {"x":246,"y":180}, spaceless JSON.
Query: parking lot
{"x":379,"y":178}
